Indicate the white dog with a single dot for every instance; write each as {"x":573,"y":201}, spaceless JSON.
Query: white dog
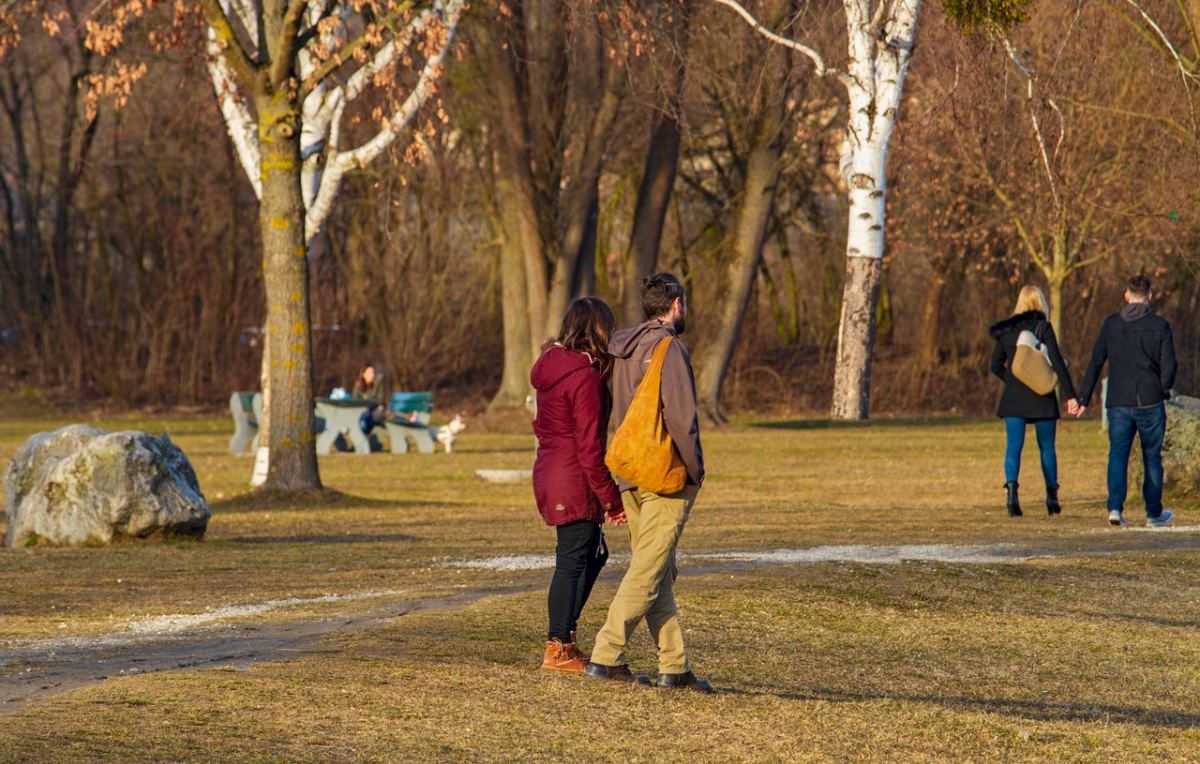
{"x":448,"y":433}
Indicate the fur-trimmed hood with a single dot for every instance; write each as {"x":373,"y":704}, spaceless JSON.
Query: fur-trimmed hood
{"x":1012,"y":322}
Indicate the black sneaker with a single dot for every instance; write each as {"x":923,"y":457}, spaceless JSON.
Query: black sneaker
{"x":686,"y":680}
{"x":615,"y":674}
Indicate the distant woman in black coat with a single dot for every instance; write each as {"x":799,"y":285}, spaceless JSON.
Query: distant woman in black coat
{"x":1020,"y":405}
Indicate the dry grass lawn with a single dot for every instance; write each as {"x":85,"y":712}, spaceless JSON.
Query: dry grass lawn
{"x":1087,"y":654}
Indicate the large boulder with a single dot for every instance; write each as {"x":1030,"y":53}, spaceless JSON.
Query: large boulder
{"x":82,"y":486}
{"x":1181,"y":447}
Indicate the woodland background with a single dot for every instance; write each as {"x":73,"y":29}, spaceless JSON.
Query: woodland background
{"x":130,"y":265}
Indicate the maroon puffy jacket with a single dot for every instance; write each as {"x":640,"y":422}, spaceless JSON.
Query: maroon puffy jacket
{"x":570,"y":481}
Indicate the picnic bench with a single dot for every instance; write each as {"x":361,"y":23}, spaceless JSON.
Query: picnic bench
{"x":246,"y":408}
{"x":410,"y":422}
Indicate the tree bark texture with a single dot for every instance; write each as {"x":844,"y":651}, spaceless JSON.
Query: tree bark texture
{"x":856,"y":338}
{"x":930,"y":343}
{"x":293,"y":464}
{"x":653,"y":200}
{"x":878,"y":65}
{"x":514,"y":384}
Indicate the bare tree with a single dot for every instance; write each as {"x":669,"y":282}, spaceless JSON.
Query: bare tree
{"x":881,"y":37}
{"x":555,"y":80}
{"x":285,"y":73}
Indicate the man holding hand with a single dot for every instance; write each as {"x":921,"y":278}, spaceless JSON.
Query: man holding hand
{"x":1140,"y":350}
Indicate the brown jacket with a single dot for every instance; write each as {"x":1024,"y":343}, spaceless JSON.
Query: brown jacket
{"x":631,"y":350}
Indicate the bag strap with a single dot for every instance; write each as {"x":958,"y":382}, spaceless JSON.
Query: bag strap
{"x":659,"y":358}
{"x":653,"y":375}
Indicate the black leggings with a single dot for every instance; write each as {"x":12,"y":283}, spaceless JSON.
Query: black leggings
{"x":580,"y":555}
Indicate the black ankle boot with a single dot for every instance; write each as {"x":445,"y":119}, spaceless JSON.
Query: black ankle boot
{"x":1052,"y":505}
{"x":1014,"y":503}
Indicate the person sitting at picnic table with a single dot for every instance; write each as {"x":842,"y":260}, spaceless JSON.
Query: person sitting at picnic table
{"x":371,"y":386}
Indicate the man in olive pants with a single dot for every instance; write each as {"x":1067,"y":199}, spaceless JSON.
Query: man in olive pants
{"x":655,"y":521}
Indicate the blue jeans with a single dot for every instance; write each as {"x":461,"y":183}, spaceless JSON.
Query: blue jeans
{"x":1014,"y":429}
{"x":1150,"y":424}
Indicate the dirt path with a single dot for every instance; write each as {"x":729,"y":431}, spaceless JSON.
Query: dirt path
{"x":54,"y":666}
{"x":40,"y":669}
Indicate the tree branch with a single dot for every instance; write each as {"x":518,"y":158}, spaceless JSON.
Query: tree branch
{"x":1178,"y":127}
{"x":813,"y":56}
{"x":1037,"y":128}
{"x":358,"y":81}
{"x":236,"y":116}
{"x":347,"y":51}
{"x":340,"y":162}
{"x":1183,"y":67}
{"x":241,"y":66}
{"x":289,"y":43}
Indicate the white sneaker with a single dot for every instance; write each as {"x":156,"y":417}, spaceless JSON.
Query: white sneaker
{"x":1116,"y":518}
{"x":1162,"y":521}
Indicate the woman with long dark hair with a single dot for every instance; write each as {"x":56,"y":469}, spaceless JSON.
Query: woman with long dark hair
{"x":573,"y":488}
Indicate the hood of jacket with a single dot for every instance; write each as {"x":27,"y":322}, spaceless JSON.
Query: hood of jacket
{"x":556,"y":364}
{"x":624,"y":343}
{"x":1134,"y":311}
{"x":1001,"y":327}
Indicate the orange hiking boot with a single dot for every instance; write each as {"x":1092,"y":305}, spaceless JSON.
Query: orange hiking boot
{"x":563,"y":657}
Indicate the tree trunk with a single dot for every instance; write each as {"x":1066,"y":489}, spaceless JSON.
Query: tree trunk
{"x":929,"y":344}
{"x":654,"y":198}
{"x":875,"y":88}
{"x":762,"y":173}
{"x":860,"y":292}
{"x":577,"y":200}
{"x":856,"y":338}
{"x":585,"y":269}
{"x":514,"y":384}
{"x":1056,"y":284}
{"x":658,"y":182}
{"x":293,"y":463}
{"x":513,"y":162}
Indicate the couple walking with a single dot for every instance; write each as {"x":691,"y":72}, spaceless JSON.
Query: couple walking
{"x":585,"y":376}
{"x":1139,"y":349}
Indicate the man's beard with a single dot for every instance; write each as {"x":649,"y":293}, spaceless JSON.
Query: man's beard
{"x":680,"y":325}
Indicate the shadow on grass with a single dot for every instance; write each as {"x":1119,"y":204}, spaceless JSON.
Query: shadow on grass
{"x":264,"y":501}
{"x":1037,"y":710}
{"x":832,"y":424}
{"x":348,"y":538}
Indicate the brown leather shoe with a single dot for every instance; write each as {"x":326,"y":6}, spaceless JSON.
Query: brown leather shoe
{"x":563,"y":657}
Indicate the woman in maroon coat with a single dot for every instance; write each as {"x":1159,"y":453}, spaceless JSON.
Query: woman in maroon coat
{"x":573,"y":488}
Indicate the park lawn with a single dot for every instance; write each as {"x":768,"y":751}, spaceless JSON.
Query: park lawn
{"x":1068,"y":658}
{"x":392,"y":521}
{"x":921,"y":661}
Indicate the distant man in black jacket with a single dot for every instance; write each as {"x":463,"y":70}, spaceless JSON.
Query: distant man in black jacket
{"x":1140,"y":351}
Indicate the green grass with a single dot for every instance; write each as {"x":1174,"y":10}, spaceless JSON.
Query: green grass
{"x":1079,"y":657}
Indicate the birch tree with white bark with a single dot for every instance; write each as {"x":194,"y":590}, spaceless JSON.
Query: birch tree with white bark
{"x":881,"y":36}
